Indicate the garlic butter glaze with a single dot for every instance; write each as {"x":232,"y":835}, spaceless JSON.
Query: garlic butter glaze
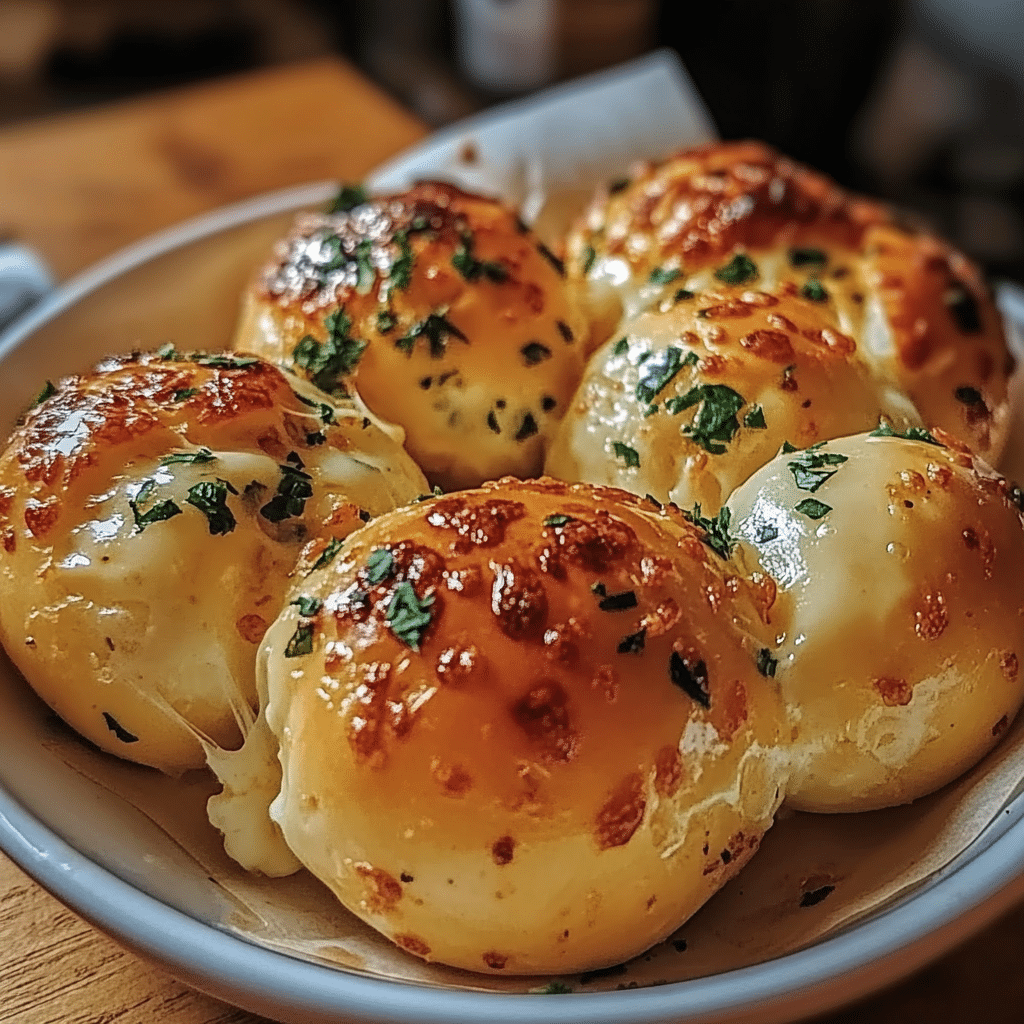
{"x":737,"y":213}
{"x":697,"y":394}
{"x":522,"y":729}
{"x":899,"y":562}
{"x":151,"y":512}
{"x":447,"y":315}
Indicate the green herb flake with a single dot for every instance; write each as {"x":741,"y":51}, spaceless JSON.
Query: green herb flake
{"x":47,"y":391}
{"x":557,"y":520}
{"x":437,"y":329}
{"x":168,"y":353}
{"x":910,"y":434}
{"x":301,"y":641}
{"x":472,"y":268}
{"x":629,"y":455}
{"x":328,"y":554}
{"x":327,"y":361}
{"x":814,"y":291}
{"x":766,"y":664}
{"x":188,"y":458}
{"x":553,"y":988}
{"x":348,"y":198}
{"x":805,"y":257}
{"x":184,"y":393}
{"x":755,"y":418}
{"x":664,"y":275}
{"x":658,"y":371}
{"x":715,"y":423}
{"x":682,"y":294}
{"x":812,"y":508}
{"x":621,"y":347}
{"x":160,"y":512}
{"x":400,"y":272}
{"x":211,"y":498}
{"x":809,"y":468}
{"x":739,"y":270}
{"x":620,"y":602}
{"x":317,"y":437}
{"x":386,"y":321}
{"x":598,"y":588}
{"x":408,"y":616}
{"x":589,"y":256}
{"x":633,"y":643}
{"x":716,"y":529}
{"x":379,"y":566}
{"x":293,"y":490}
{"x":224,"y":360}
{"x":308,"y":606}
{"x":968,"y":396}
{"x":692,"y":680}
{"x":551,"y":258}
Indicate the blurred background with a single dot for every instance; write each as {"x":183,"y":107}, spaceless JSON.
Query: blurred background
{"x":920,"y":101}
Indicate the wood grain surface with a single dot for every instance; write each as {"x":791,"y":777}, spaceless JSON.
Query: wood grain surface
{"x":80,"y":186}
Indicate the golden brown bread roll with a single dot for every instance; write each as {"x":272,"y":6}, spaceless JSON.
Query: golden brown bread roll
{"x":151,"y":512}
{"x":698,"y":394}
{"x":446,"y":314}
{"x":523,"y":728}
{"x":737,"y":213}
{"x":899,"y":564}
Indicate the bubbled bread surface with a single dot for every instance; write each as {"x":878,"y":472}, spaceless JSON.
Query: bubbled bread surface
{"x":446,"y":314}
{"x":899,"y":563}
{"x":521,"y":728}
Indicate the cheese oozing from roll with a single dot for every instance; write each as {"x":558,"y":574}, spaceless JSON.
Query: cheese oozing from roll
{"x":151,"y":512}
{"x":522,"y":729}
{"x":900,"y":661}
{"x":446,"y":314}
{"x":738,"y":213}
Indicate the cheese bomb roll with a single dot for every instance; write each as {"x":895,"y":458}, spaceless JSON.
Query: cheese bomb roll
{"x":900,"y":660}
{"x":150,"y":514}
{"x":695,"y":397}
{"x":522,"y":728}
{"x":444,"y":311}
{"x":738,"y":213}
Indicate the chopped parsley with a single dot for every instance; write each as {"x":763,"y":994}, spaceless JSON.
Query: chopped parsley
{"x":766,"y":664}
{"x":968,"y":396}
{"x":633,"y":643}
{"x":814,"y":291}
{"x":386,"y":321}
{"x":183,"y":393}
{"x":224,"y":360}
{"x":682,"y":294}
{"x":308,"y":606}
{"x":534,"y":352}
{"x":692,"y":681}
{"x":211,"y":498}
{"x":629,"y":455}
{"x":301,"y":641}
{"x":809,"y":467}
{"x":118,"y":729}
{"x":551,"y":258}
{"x":659,"y":370}
{"x":621,"y":347}
{"x":716,"y":529}
{"x":557,"y":520}
{"x":317,"y":437}
{"x":168,"y":353}
{"x":400,"y":274}
{"x":812,"y":508}
{"x":408,"y":616}
{"x":963,"y":308}
{"x":328,"y":554}
{"x":379,"y":566}
{"x":329,"y":360}
{"x":598,"y":588}
{"x":620,"y":602}
{"x":473,"y":268}
{"x":553,"y":988}
{"x":293,"y":490}
{"x":437,"y":329}
{"x":348,"y":198}
{"x":755,"y":418}
{"x":664,"y":275}
{"x":910,"y":434}
{"x":159,"y":512}
{"x":740,"y":269}
{"x":47,"y":391}
{"x":715,"y":423}
{"x":805,"y":257}
{"x":589,"y":255}
{"x":189,"y":458}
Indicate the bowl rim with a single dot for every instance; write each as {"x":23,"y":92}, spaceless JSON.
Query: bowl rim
{"x":865,"y":956}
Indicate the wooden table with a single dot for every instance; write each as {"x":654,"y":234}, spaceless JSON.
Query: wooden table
{"x":79,"y":187}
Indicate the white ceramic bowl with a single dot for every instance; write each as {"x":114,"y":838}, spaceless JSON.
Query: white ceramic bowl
{"x":118,"y":870}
